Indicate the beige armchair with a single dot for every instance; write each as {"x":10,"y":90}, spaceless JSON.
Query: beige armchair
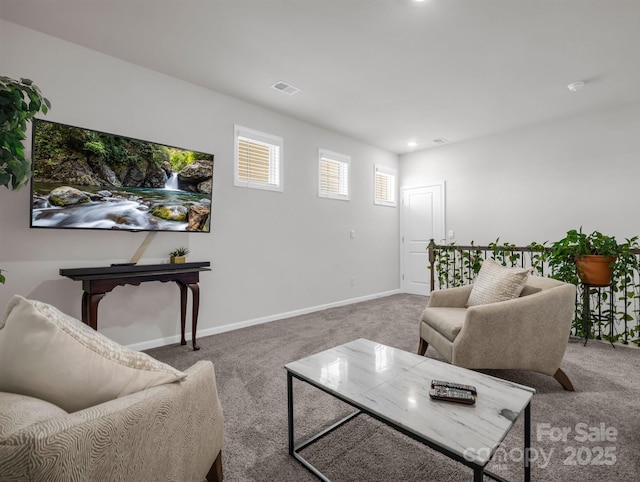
{"x":169,"y":432}
{"x":526,"y":333}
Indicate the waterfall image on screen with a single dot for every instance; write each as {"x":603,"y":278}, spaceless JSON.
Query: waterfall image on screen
{"x":93,"y":180}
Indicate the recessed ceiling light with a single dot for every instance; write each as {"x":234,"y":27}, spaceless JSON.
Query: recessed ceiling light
{"x":285,"y":87}
{"x":575,"y":86}
{"x":412,"y":143}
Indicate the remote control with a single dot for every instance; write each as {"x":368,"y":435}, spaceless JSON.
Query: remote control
{"x":452,"y":395}
{"x":457,"y":386}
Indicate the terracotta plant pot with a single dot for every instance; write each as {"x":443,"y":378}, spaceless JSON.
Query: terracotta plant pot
{"x":595,"y":269}
{"x":177,"y":259}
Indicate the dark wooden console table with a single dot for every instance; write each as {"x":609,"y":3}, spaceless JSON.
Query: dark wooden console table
{"x":97,"y":282}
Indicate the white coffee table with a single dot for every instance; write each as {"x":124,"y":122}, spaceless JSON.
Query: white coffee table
{"x":393,"y":385}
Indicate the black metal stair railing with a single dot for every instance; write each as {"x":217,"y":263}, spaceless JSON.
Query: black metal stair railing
{"x":614,"y":311}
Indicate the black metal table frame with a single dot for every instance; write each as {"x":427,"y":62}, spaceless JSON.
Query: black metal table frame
{"x":478,"y":471}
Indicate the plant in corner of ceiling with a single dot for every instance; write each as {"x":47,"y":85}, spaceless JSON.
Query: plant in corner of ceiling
{"x":20,"y":101}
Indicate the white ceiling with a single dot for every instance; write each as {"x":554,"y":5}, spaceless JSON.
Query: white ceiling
{"x":382,"y":71}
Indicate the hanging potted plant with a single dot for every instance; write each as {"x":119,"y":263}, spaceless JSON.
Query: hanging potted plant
{"x":20,"y":101}
{"x":592,"y":258}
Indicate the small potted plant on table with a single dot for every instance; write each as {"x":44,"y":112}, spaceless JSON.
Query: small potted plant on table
{"x":178,"y":255}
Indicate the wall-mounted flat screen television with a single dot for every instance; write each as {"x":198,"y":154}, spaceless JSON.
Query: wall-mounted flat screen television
{"x":94,"y":180}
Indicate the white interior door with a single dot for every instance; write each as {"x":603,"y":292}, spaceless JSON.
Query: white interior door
{"x":422,"y":219}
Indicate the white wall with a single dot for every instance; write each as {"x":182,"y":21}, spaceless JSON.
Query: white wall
{"x":272,"y":253}
{"x":537,"y":183}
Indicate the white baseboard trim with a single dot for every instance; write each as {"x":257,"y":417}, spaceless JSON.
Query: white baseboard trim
{"x":146,"y":345}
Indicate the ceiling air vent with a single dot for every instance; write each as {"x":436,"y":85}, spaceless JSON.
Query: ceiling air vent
{"x":440,"y":140}
{"x":286,"y":88}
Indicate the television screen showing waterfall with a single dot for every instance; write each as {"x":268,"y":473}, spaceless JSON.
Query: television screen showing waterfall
{"x":93,"y":180}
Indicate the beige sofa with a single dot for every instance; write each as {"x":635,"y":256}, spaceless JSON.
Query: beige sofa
{"x":170,"y":432}
{"x":525,"y":333}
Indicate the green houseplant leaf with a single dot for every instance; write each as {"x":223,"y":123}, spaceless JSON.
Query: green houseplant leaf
{"x":577,"y":244}
{"x":20,"y":101}
{"x":181,"y":251}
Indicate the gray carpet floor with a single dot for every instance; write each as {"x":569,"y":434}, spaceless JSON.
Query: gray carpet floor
{"x":601,"y":419}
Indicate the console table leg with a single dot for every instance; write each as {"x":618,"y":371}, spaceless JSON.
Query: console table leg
{"x":85,"y":308}
{"x":183,"y":310}
{"x":90,"y":308}
{"x":195,"y":292}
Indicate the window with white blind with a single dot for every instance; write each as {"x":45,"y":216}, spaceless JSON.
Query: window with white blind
{"x":333,"y":175}
{"x":384,"y":186}
{"x":258,"y":159}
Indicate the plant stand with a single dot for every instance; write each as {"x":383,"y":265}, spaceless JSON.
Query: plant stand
{"x":587,"y":316}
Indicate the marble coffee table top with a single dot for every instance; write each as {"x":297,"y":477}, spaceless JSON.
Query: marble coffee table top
{"x":394,"y":385}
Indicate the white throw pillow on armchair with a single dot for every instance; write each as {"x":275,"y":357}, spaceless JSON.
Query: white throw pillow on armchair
{"x":47,"y":354}
{"x":497,"y":283}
